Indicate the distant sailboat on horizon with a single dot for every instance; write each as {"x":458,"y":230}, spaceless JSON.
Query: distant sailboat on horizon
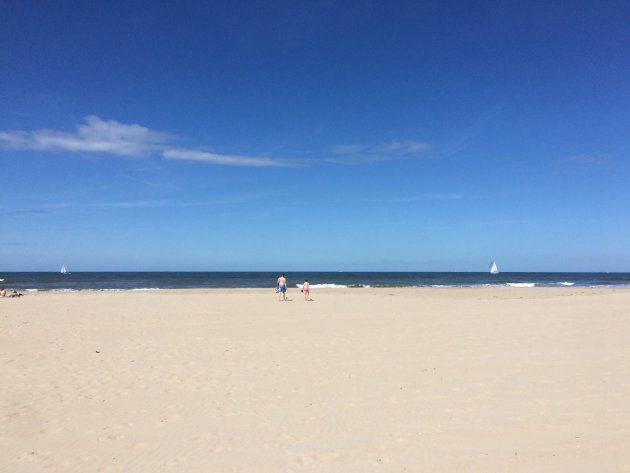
{"x":63,"y":270}
{"x":493,"y":268}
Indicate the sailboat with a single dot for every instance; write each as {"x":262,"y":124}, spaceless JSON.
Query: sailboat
{"x":63,"y":270}
{"x":493,"y":268}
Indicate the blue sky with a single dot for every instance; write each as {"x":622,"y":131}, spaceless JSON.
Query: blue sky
{"x":324,"y":135}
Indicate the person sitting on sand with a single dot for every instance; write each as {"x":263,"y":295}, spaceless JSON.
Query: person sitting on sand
{"x":14,"y":293}
{"x":281,"y":288}
{"x":306,"y":289}
{"x":3,"y":292}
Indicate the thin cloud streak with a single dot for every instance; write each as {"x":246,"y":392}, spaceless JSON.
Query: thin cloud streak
{"x":134,"y":204}
{"x":585,"y":163}
{"x":39,"y":210}
{"x":403,"y":147}
{"x":372,"y":153}
{"x":394,"y":148}
{"x":166,"y":204}
{"x":221,"y":159}
{"x":587,"y":159}
{"x":348,"y":149}
{"x":461,"y":143}
{"x":419,"y":198}
{"x":357,"y":159}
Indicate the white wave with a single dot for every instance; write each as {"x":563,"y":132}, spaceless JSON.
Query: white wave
{"x":520,"y":284}
{"x":455,"y":286}
{"x":1,"y":279}
{"x":565,"y":283}
{"x":146,"y":289}
{"x":324,"y":286}
{"x":31,"y":290}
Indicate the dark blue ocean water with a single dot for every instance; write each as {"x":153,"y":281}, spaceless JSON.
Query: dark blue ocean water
{"x":190,"y":280}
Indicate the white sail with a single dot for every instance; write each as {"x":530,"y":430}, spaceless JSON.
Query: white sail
{"x":493,"y":268}
{"x":63,"y":270}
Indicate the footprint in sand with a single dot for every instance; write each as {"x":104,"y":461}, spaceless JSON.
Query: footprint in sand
{"x":52,"y":430}
{"x":171,"y":419}
{"x":141,"y":445}
{"x":210,"y":436}
{"x":113,"y":432}
{"x":176,"y":463}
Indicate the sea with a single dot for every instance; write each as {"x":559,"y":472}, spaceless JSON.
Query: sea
{"x":155,"y":281}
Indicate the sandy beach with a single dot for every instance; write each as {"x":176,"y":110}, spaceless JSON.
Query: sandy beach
{"x":388,"y":380}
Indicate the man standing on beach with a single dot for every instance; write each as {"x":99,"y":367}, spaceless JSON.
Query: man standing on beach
{"x":281,"y":288}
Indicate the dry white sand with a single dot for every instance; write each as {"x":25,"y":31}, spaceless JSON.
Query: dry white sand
{"x":417,"y":380}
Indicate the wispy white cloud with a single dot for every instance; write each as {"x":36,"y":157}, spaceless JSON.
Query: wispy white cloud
{"x":589,"y":159}
{"x":44,"y":209}
{"x":402,"y":147}
{"x":421,"y":198}
{"x":226,"y":200}
{"x":93,"y":136}
{"x":131,"y":204}
{"x":348,"y":149}
{"x":585,"y":163}
{"x":394,"y":148}
{"x":461,"y":142}
{"x":222,"y":159}
{"x":369,"y":153}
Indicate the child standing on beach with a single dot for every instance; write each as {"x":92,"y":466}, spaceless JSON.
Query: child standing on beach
{"x":306,"y":289}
